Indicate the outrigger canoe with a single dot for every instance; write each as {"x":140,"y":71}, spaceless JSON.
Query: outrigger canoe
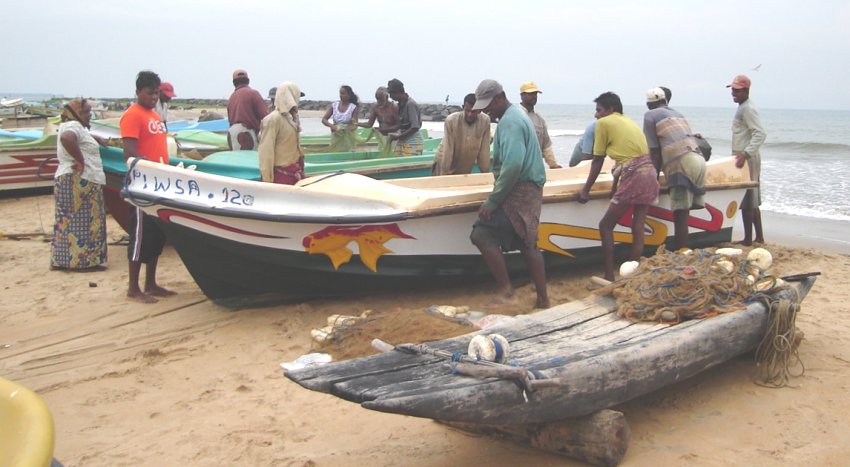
{"x":570,"y":360}
{"x":347,"y":234}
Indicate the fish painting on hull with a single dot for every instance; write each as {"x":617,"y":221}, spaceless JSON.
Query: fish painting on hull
{"x":333,"y":241}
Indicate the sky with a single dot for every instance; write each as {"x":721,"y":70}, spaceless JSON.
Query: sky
{"x":796,"y":53}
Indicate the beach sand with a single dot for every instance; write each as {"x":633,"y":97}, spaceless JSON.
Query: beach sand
{"x":186,"y":382}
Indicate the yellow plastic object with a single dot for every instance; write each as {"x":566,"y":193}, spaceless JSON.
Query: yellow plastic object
{"x":26,"y":427}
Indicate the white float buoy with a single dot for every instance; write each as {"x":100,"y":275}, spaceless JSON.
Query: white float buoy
{"x":628,"y":268}
{"x":760,"y":257}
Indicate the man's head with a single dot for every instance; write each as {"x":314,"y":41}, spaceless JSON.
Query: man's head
{"x":147,"y":89}
{"x":655,"y":98}
{"x":240,"y":77}
{"x":668,"y":94}
{"x":272,"y":93}
{"x":740,"y":88}
{"x":528,"y":94}
{"x":607,"y":103}
{"x":166,"y":92}
{"x":381,"y":94}
{"x":395,"y":88}
{"x":469,"y":115}
{"x":490,"y":98}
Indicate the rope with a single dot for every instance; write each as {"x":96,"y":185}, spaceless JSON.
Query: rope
{"x":777,"y":353}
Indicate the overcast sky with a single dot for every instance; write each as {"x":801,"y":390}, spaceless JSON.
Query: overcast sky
{"x":573,"y":50}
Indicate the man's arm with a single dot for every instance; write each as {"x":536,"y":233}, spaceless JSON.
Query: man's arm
{"x":595,"y":169}
{"x":509,"y":172}
{"x":131,"y":148}
{"x":371,"y":122}
{"x":549,"y":157}
{"x":448,"y":147}
{"x":753,"y":122}
{"x":484,"y":149}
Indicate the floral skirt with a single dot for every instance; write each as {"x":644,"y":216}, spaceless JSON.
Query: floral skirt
{"x":79,"y":234}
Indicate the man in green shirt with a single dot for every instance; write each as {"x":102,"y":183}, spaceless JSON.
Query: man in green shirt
{"x":509,"y":218}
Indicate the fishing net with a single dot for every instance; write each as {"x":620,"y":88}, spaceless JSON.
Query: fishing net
{"x":349,"y":138}
{"x":670,"y":287}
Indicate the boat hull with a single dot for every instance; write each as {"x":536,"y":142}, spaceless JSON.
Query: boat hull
{"x":245,"y":240}
{"x":28,"y":165}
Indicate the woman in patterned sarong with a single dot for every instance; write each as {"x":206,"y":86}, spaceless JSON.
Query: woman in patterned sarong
{"x":79,"y":234}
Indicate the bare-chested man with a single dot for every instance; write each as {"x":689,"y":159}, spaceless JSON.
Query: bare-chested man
{"x":385,"y":112}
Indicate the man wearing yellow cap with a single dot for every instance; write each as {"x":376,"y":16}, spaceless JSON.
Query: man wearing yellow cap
{"x":747,"y":138}
{"x":528,"y":99}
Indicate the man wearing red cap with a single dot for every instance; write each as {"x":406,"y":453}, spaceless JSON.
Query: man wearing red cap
{"x":166,"y":92}
{"x":747,"y":138}
{"x":246,"y":108}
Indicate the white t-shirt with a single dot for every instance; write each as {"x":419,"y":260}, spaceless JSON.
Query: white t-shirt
{"x":93,"y":169}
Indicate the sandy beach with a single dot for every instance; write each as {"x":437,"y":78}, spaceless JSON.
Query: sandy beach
{"x":186,"y":382}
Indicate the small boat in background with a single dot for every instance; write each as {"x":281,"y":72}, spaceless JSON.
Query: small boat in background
{"x":28,"y":164}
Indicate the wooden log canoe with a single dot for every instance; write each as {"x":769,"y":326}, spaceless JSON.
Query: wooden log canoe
{"x":597,"y":360}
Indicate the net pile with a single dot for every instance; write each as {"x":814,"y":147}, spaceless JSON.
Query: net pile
{"x":671,"y":287}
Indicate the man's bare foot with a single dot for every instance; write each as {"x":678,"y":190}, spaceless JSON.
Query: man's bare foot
{"x":158,"y":291}
{"x":760,"y":241}
{"x":744,"y":243}
{"x":542,"y":304}
{"x":500,"y":302}
{"x":141,"y":297}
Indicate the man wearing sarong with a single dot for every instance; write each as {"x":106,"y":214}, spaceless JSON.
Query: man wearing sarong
{"x":280,"y":154}
{"x":466,"y":141}
{"x":245,"y":110}
{"x":409,"y":141}
{"x":747,"y":137}
{"x":675,"y":152}
{"x":635,"y":179}
{"x":509,"y":218}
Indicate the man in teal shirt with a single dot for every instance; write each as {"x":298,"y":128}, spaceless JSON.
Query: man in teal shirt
{"x":509,"y":218}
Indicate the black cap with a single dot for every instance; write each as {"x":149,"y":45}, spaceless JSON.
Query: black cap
{"x":395,"y":85}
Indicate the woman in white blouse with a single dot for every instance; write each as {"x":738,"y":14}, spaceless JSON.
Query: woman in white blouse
{"x":79,"y":234}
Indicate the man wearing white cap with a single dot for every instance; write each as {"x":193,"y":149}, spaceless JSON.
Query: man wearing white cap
{"x":747,"y":138}
{"x":509,"y":218}
{"x":674,"y":151}
{"x":528,"y":99}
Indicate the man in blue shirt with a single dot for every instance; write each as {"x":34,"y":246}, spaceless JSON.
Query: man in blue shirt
{"x":509,"y":218}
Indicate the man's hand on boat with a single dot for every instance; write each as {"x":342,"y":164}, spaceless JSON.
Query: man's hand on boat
{"x":583,"y":196}
{"x":484,"y":212}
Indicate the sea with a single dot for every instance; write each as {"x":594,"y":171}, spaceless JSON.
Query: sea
{"x":805,"y":158}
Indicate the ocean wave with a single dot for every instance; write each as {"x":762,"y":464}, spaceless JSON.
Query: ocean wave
{"x":810,"y":147}
{"x":782,"y":208}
